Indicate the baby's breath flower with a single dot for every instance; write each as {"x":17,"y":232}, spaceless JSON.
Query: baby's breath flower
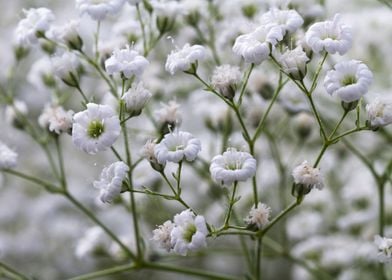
{"x":136,"y":98}
{"x":92,"y":241}
{"x":293,"y":62}
{"x":232,"y":166}
{"x":379,"y":112}
{"x":225,"y":78}
{"x":181,"y":60}
{"x":349,"y":80}
{"x":96,"y":128}
{"x":385,"y":248}
{"x":99,"y":9}
{"x":34,"y":25}
{"x":56,"y":119}
{"x":148,"y":152}
{"x":127,"y":62}
{"x":255,"y":47}
{"x":69,"y":35}
{"x":8,"y":158}
{"x":66,"y":67}
{"x":161,"y":235}
{"x":307,"y":177}
{"x":111,"y":181}
{"x":169,"y":115}
{"x":258,"y":216}
{"x":14,"y":113}
{"x":189,"y":232}
{"x":329,"y":36}
{"x":288,"y":20}
{"x":177,"y":146}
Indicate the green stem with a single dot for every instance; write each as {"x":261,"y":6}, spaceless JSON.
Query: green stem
{"x":105,"y":272}
{"x":316,"y":114}
{"x":81,"y":92}
{"x":63,"y":178}
{"x":231,"y":203}
{"x":258,"y":257}
{"x":96,"y":40}
{"x":245,"y":83}
{"x":139,"y":17}
{"x":242,"y":124}
{"x":178,"y":179}
{"x":277,"y":218}
{"x":6,"y":270}
{"x":349,"y":132}
{"x":381,"y":209}
{"x":314,"y":83}
{"x":48,"y":186}
{"x":168,"y":182}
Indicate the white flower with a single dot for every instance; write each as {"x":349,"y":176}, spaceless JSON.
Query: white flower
{"x":379,"y":112}
{"x":35,"y":21}
{"x":99,"y":9}
{"x":259,"y":216}
{"x":169,"y":113}
{"x":69,"y":34}
{"x":136,"y":98}
{"x":93,"y":240}
{"x":232,"y":166}
{"x":225,"y":78}
{"x":14,"y":111}
{"x":189,"y":232}
{"x":41,"y":74}
{"x":181,"y":60}
{"x":308,"y":176}
{"x":127,"y":62}
{"x":255,"y":47}
{"x":176,"y":147}
{"x":162,"y":235}
{"x":96,"y":128}
{"x":293,"y":62}
{"x":349,"y":80}
{"x":66,"y":67}
{"x":329,"y":36}
{"x":385,"y":248}
{"x":288,"y":20}
{"x":167,"y":8}
{"x":8,"y":158}
{"x":56,"y":119}
{"x":111,"y":180}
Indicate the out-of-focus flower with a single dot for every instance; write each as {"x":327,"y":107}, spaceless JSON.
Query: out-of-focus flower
{"x":14,"y":112}
{"x":167,"y":8}
{"x":181,"y":60}
{"x":66,"y":67}
{"x":169,"y":114}
{"x":224,"y":79}
{"x":56,"y":119}
{"x":385,"y":248}
{"x":255,"y":47}
{"x":349,"y":80}
{"x":288,"y":20}
{"x":136,"y":98}
{"x":189,"y":232}
{"x":111,"y":180}
{"x":308,"y":177}
{"x":69,"y":34}
{"x":293,"y":62}
{"x":329,"y":36}
{"x":379,"y":112}
{"x":8,"y":158}
{"x":162,"y":235}
{"x":93,"y":241}
{"x":127,"y":62}
{"x":232,"y":166}
{"x":96,"y":128}
{"x":99,"y":10}
{"x":41,"y":74}
{"x":34,"y":25}
{"x":177,"y":146}
{"x":259,"y":216}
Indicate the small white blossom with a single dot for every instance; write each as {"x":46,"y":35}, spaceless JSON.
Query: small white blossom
{"x":385,"y":248}
{"x":189,"y":232}
{"x":310,"y":177}
{"x":69,"y":34}
{"x":136,"y":98}
{"x":8,"y":158}
{"x":259,"y":216}
{"x":225,"y":78}
{"x":379,"y":112}
{"x":232,"y":166}
{"x":127,"y":62}
{"x":56,"y":119}
{"x":167,"y":8}
{"x":161,"y":235}
{"x":93,"y":240}
{"x":66,"y":67}
{"x":41,"y":74}
{"x":14,"y":111}
{"x":99,"y":9}
{"x":255,"y":47}
{"x":35,"y":21}
{"x":169,"y":113}
{"x":111,"y":180}
{"x":349,"y":80}
{"x":329,"y":36}
{"x":181,"y":60}
{"x":96,"y":128}
{"x":288,"y":20}
{"x":293,"y":62}
{"x":177,"y":146}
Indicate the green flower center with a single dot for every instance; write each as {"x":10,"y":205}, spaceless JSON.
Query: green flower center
{"x":189,"y":232}
{"x":349,"y":80}
{"x":233,"y":165}
{"x":95,"y":129}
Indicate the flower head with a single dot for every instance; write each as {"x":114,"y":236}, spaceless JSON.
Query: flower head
{"x":349,"y":80}
{"x":189,"y":232}
{"x":69,"y":35}
{"x":288,"y":20}
{"x":307,"y":176}
{"x":329,"y":36}
{"x":96,"y":128}
{"x":162,"y":235}
{"x":232,"y":166}
{"x":56,"y":119}
{"x":136,"y":98}
{"x":8,"y":158}
{"x":36,"y":21}
{"x":181,"y":60}
{"x":111,"y":180}
{"x":99,"y":9}
{"x":225,"y":78}
{"x":169,"y":114}
{"x":259,"y":216}
{"x":294,"y":63}
{"x":385,"y":248}
{"x":176,"y":147}
{"x":127,"y":62}
{"x":66,"y":67}
{"x":379,"y":112}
